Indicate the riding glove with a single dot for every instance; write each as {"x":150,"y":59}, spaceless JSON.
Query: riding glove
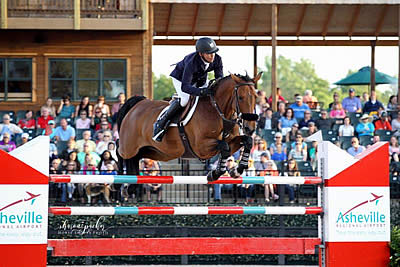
{"x":205,"y":92}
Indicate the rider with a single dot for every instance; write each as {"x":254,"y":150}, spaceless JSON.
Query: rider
{"x":190,"y":78}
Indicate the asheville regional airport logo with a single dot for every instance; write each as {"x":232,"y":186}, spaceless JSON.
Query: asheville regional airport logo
{"x":27,"y":217}
{"x":363,"y":214}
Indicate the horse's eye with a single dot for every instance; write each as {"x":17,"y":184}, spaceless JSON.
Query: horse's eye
{"x":240,"y":98}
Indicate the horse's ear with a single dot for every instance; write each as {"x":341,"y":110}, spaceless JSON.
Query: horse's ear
{"x":235,"y":78}
{"x":258,"y":77}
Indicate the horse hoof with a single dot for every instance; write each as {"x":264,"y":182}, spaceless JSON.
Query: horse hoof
{"x":234,"y":173}
{"x":212,"y":176}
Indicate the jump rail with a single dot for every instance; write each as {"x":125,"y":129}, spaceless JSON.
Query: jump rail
{"x":133,"y":179}
{"x":191,"y":210}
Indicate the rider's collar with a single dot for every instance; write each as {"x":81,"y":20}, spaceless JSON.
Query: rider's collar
{"x":204,"y":62}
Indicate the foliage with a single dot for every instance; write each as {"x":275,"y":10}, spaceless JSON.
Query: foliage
{"x":162,"y":87}
{"x":395,"y":247}
{"x":294,"y":78}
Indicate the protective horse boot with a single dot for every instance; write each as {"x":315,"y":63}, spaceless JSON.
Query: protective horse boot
{"x":160,"y":126}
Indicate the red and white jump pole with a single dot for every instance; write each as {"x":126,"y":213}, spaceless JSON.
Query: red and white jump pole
{"x":354,"y":227}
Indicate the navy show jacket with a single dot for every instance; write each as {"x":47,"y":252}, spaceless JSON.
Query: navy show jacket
{"x":192,"y":73}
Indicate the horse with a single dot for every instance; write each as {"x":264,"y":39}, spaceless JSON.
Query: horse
{"x":222,"y":123}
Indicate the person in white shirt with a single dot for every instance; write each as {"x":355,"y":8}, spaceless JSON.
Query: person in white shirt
{"x":346,"y":129}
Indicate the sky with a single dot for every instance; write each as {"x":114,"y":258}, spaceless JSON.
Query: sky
{"x":332,"y":63}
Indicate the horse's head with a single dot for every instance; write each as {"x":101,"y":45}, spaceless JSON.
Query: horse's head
{"x":245,"y":100}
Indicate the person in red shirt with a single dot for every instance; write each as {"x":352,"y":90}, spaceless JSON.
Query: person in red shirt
{"x":44,"y":119}
{"x":28,"y":122}
{"x":383,"y":123}
{"x":279,"y":97}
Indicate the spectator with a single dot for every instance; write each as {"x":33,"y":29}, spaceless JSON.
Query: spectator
{"x":278,"y":114}
{"x":105,"y":159}
{"x":44,"y":118}
{"x":117,"y":106}
{"x":89,"y":166}
{"x":86,"y":139}
{"x":151,"y":168}
{"x":365,"y":127}
{"x":394,"y":149}
{"x":310,"y":100}
{"x":28,"y":122}
{"x":346,"y":129}
{"x":278,"y":141}
{"x":299,"y":140}
{"x":96,"y":117}
{"x":265,"y":120}
{"x":102,"y":145}
{"x":247,"y":190}
{"x":104,"y":124}
{"x":311,"y":129}
{"x":299,"y":107}
{"x":373,"y":105}
{"x":335,"y":100}
{"x":383,"y":122}
{"x":291,"y":170}
{"x":113,"y":150}
{"x":279,"y":154}
{"x":24,"y":139}
{"x":324,"y":123}
{"x":355,"y":148}
{"x":259,"y":148}
{"x":6,"y":144}
{"x":337,"y":111}
{"x":286,"y":122}
{"x":115,"y":132}
{"x":396,"y":124}
{"x":230,"y":163}
{"x":72,"y":157}
{"x":83,"y":122}
{"x":291,"y":135}
{"x":64,"y":132}
{"x":50,"y":128}
{"x":313,"y":154}
{"x":65,"y":109}
{"x":53,"y":153}
{"x":364,"y":98}
{"x":305,"y":120}
{"x":50,"y":107}
{"x":84,"y":105}
{"x":105,"y":109}
{"x":298,"y":153}
{"x":260,"y":101}
{"x":351,"y":103}
{"x":8,"y":127}
{"x":268,"y":168}
{"x":279,"y":97}
{"x":86,"y":151}
{"x":70,"y":148}
{"x":392,"y":104}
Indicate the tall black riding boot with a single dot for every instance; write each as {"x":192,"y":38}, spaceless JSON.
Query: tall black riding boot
{"x":160,"y":126}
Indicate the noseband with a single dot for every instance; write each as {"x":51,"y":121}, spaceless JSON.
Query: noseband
{"x":228,"y":124}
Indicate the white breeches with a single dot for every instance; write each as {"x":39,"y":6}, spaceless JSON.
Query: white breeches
{"x":184,"y":97}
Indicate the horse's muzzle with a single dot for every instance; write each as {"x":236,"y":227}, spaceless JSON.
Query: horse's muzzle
{"x":249,"y":116}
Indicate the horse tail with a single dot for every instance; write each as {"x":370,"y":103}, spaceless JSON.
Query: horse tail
{"x":126,"y":107}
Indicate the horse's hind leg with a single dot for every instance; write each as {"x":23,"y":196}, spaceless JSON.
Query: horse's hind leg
{"x":120,"y":161}
{"x":225,"y":152}
{"x":132,"y":168}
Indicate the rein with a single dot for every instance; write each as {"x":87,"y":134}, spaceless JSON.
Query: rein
{"x":228,"y":124}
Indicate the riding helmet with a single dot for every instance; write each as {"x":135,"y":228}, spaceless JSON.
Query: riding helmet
{"x":206,"y":45}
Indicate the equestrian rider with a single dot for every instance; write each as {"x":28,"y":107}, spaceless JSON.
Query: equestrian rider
{"x":190,"y":78}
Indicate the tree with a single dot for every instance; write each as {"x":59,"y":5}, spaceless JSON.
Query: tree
{"x":162,"y":87}
{"x":294,"y":78}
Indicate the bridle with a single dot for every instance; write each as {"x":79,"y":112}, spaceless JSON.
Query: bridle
{"x":240,"y":117}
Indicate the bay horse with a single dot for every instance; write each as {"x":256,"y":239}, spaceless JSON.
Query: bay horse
{"x":222,"y":123}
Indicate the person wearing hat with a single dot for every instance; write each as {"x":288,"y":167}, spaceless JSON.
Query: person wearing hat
{"x":373,"y":105}
{"x":383,"y":123}
{"x":51,"y":124}
{"x":352,"y":103}
{"x":190,"y":78}
{"x":299,"y":107}
{"x":24,"y":138}
{"x":365,"y":127}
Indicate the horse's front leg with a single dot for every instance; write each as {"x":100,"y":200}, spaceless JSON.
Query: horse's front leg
{"x":246,"y":142}
{"x":225,"y":152}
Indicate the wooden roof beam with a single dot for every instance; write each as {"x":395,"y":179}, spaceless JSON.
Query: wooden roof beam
{"x":381,"y":19}
{"x":169,"y":18}
{"x":221,"y":19}
{"x":300,"y":24}
{"x":194,"y":22}
{"x":249,"y":15}
{"x":328,"y":20}
{"x":353,"y":22}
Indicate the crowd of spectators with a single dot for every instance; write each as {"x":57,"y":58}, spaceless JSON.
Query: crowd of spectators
{"x":83,"y":140}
